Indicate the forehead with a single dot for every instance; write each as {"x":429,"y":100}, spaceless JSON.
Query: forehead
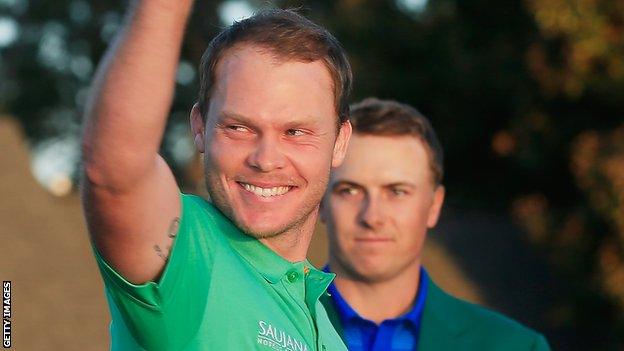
{"x":249,"y":81}
{"x":382,"y":160}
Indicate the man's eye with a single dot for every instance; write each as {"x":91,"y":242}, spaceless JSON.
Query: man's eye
{"x":347,"y":191}
{"x":294,"y":132}
{"x":237,"y":128}
{"x":399,"y":192}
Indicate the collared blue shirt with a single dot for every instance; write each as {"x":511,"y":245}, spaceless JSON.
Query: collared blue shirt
{"x":399,"y":334}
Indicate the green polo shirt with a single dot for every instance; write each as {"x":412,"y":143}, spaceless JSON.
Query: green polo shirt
{"x":221,"y":290}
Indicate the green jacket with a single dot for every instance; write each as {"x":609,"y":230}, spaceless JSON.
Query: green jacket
{"x":452,"y":324}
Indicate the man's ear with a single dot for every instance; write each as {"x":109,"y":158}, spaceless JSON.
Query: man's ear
{"x":341,"y":144}
{"x":197,"y":128}
{"x":436,"y":206}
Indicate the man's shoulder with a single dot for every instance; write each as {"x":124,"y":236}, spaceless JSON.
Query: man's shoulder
{"x":196,"y":207}
{"x":194,"y":201}
{"x":486,"y":318}
{"x":205,"y":222}
{"x":475,"y":321}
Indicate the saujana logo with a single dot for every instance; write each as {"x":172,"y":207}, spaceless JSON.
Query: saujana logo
{"x":277,"y":339}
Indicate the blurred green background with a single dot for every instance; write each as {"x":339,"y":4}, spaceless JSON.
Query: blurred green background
{"x":527,"y":98}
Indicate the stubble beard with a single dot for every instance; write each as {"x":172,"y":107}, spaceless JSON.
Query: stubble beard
{"x":295,"y":226}
{"x":308,"y":209}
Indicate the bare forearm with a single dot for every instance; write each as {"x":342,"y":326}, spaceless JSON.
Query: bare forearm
{"x":132,"y":93}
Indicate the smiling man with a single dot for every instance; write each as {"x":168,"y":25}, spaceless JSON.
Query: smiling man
{"x":271,"y":119}
{"x":379,"y":205}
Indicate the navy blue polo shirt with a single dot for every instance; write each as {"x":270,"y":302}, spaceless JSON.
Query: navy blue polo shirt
{"x":399,"y":334}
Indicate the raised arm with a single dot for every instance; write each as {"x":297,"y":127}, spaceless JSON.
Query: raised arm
{"x":129,"y":194}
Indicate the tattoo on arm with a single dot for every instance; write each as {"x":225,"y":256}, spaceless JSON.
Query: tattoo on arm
{"x":161,"y":253}
{"x":173,"y":228}
{"x":172,"y":232}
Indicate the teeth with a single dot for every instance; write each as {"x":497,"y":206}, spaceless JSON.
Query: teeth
{"x":266,"y":192}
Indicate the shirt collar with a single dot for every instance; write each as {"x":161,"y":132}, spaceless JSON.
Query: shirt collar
{"x":345,"y":312}
{"x":267,"y":262}
{"x":413,"y":316}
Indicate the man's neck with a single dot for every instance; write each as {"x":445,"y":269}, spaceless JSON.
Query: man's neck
{"x":380,"y":301}
{"x":293,"y":244}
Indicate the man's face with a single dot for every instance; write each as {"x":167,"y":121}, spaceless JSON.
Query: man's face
{"x":269,"y":140}
{"x":378,"y":207}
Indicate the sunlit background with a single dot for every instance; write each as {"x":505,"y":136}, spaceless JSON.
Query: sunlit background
{"x":527,"y":97}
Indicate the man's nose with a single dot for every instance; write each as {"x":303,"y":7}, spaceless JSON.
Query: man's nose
{"x":372,"y":213}
{"x":267,"y":155}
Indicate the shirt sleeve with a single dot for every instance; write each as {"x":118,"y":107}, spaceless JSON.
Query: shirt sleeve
{"x":166,"y":314}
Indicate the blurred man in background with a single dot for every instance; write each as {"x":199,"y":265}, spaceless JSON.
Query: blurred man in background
{"x":271,"y":120}
{"x":378,"y":208}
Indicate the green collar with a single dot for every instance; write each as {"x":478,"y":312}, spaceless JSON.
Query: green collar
{"x":269,"y":264}
{"x":272,"y":266}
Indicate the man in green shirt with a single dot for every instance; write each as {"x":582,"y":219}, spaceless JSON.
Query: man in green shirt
{"x":271,"y":120}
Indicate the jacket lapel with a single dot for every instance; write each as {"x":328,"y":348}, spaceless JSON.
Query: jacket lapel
{"x":441,"y":324}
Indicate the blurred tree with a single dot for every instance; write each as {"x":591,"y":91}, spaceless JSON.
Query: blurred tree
{"x":47,"y":68}
{"x":527,"y":97}
{"x":577,"y":62}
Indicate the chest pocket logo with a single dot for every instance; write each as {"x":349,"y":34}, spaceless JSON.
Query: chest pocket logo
{"x":277,"y":339}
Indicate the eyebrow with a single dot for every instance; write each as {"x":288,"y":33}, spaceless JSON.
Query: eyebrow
{"x":343,"y":183}
{"x":235,"y":116}
{"x":406,"y":184}
{"x":306,"y":120}
{"x":390,"y":185}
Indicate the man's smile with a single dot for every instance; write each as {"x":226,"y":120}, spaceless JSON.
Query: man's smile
{"x":266,"y":191}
